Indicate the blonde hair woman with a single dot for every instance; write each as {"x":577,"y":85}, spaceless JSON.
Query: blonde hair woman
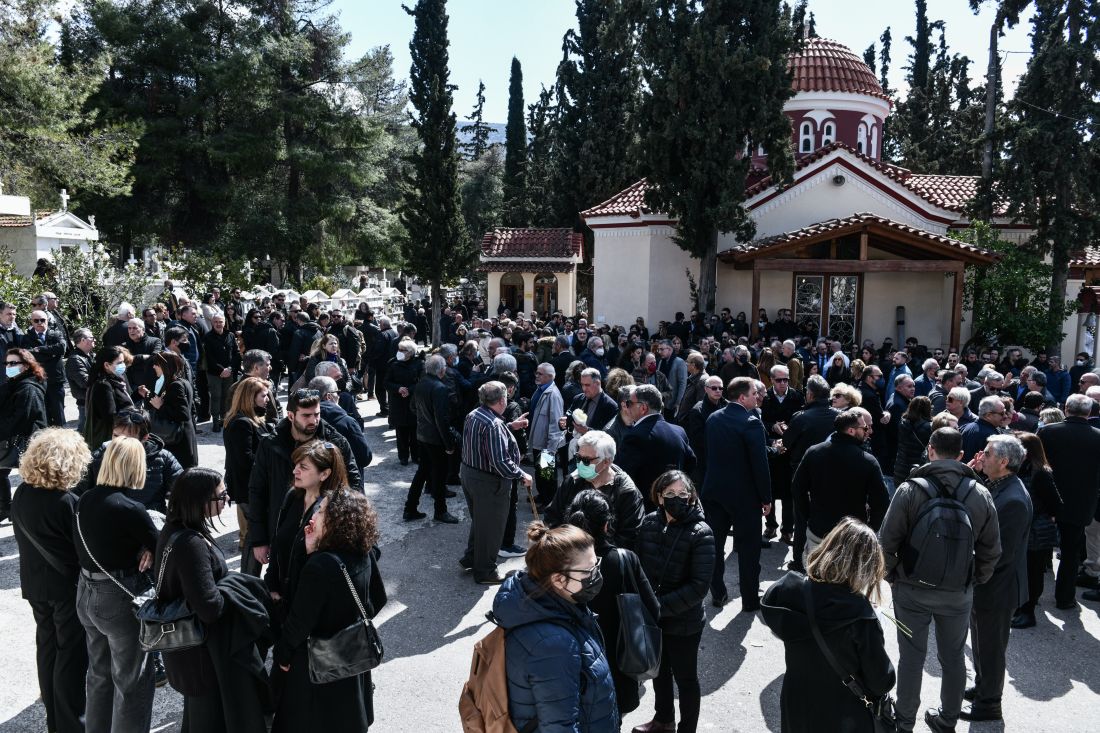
{"x":844,"y":396}
{"x":115,"y":541}
{"x":245,"y":425}
{"x":843,"y":578}
{"x":42,"y":514}
{"x":325,"y":348}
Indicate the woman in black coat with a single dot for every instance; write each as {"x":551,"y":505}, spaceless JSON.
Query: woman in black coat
{"x":844,"y":574}
{"x":161,"y":467}
{"x":622,"y":573}
{"x":22,"y":411}
{"x":402,"y":374}
{"x":191,"y":565}
{"x":676,"y":548}
{"x":172,"y":401}
{"x":1046,"y":503}
{"x":108,"y":394}
{"x":340,"y":537}
{"x":244,"y":427}
{"x":914,"y":430}
{"x":42,"y":514}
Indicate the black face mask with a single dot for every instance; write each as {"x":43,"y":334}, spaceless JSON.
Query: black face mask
{"x":678,"y":508}
{"x":590,"y":587}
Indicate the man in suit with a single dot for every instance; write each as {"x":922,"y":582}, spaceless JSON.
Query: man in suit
{"x":737,"y":489}
{"x":599,"y":407}
{"x":696,"y":424}
{"x":995,"y":601}
{"x":652,"y":445}
{"x":48,"y":347}
{"x":544,"y":430}
{"x":675,"y":370}
{"x":1073,"y":449}
{"x":385,"y":348}
{"x":781,"y":403}
{"x":593,"y":355}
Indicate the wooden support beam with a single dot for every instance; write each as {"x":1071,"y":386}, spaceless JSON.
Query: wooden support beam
{"x":755,"y":303}
{"x":957,"y":312}
{"x":853,"y":266}
{"x":863,"y":240}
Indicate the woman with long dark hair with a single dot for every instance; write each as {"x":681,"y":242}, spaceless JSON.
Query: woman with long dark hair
{"x":1043,"y":537}
{"x":914,"y":431}
{"x":172,"y":400}
{"x":108,"y":394}
{"x":22,"y":412}
{"x":622,"y":573}
{"x":341,"y":541}
{"x":844,"y":574}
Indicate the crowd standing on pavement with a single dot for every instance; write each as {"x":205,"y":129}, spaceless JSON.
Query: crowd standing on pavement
{"x":639,"y":452}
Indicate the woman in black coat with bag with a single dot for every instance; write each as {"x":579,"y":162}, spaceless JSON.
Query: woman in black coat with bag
{"x":622,"y":573}
{"x":22,"y":413}
{"x":172,"y":401}
{"x":676,"y":547}
{"x":402,"y":374}
{"x":914,"y":431}
{"x":245,"y":425}
{"x":192,"y":564}
{"x":1043,"y":536}
{"x":843,"y":575}
{"x":108,"y":394}
{"x":340,"y":538}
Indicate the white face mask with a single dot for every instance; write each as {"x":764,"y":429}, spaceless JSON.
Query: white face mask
{"x":400,"y":356}
{"x":599,"y":352}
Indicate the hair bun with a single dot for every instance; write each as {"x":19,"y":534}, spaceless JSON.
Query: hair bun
{"x":536,"y":531}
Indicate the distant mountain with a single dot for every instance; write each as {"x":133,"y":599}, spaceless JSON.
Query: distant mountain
{"x":496,"y":134}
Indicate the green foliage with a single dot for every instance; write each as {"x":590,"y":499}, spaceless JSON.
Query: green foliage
{"x":90,"y":286}
{"x":477,"y":129}
{"x":198,"y":272}
{"x":716,"y":75}
{"x":48,"y":138}
{"x":435,"y":245}
{"x":482,"y":193}
{"x":542,"y":162}
{"x":16,"y":288}
{"x":1009,"y":301}
{"x":515,"y":153}
{"x":326,"y":285}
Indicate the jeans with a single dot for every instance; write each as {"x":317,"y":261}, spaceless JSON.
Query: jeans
{"x":679,"y":662}
{"x":62,"y":655}
{"x":81,"y":416}
{"x":1065,"y":582}
{"x":1092,"y":549}
{"x":917,"y":608}
{"x":488,"y":497}
{"x":120,"y":674}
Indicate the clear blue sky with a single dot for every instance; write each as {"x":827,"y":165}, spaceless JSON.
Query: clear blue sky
{"x":485,"y":34}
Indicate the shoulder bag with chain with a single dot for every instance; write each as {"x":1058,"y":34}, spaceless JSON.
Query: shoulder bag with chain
{"x":173,"y":628}
{"x":351,"y":651}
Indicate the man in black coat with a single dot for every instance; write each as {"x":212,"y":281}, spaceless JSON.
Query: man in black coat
{"x":345,"y":424}
{"x":781,"y":403}
{"x":384,"y":349}
{"x":286,"y":328}
{"x":995,"y":600}
{"x":143,"y":347}
{"x":346,"y":334}
{"x":737,"y":489}
{"x":563,"y":357}
{"x":599,"y":407}
{"x":871,"y":400}
{"x":1073,"y":449}
{"x":836,"y":479}
{"x":432,"y":404}
{"x":271,"y":472}
{"x":696,"y":424}
{"x":222,"y":358}
{"x":991,"y":418}
{"x":652,"y":445}
{"x":48,"y":348}
{"x":302,"y":344}
{"x":11,"y":336}
{"x":812,"y":424}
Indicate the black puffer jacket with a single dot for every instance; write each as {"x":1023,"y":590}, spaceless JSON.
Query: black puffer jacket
{"x":263,"y":336}
{"x":678,"y":560}
{"x":22,"y":406}
{"x":402,"y":374}
{"x":161,"y":471}
{"x":912,"y":440}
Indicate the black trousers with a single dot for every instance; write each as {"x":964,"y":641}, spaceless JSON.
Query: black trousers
{"x":380,"y":388}
{"x":989,"y":630}
{"x":55,"y":404}
{"x":203,"y":714}
{"x":62,"y":656}
{"x":1036,"y":572}
{"x":5,"y":489}
{"x":406,"y":443}
{"x":679,"y":662}
{"x":432,"y":472}
{"x":1073,"y":545}
{"x":746,"y":543}
{"x":510,"y":525}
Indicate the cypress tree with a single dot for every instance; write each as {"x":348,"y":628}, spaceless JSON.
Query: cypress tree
{"x":542,"y":152}
{"x":477,"y":130}
{"x":1051,"y":171}
{"x":515,"y":153}
{"x":435,"y":245}
{"x":700,"y":61}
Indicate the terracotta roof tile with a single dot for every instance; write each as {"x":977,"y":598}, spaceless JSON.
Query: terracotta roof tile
{"x":15,"y":220}
{"x":855,"y":220}
{"x":822,"y":65}
{"x":1088,"y":257}
{"x":531,"y":242}
{"x":505,"y":266}
{"x":628,"y":202}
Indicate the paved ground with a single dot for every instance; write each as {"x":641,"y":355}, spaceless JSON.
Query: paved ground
{"x":435,"y":614}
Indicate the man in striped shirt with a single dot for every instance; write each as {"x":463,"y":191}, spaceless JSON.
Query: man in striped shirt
{"x":490,"y":463}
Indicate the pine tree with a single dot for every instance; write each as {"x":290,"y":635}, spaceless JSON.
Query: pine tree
{"x":477,"y":130}
{"x":700,"y":61}
{"x":1051,"y":171}
{"x":542,"y":159}
{"x":515,"y":153}
{"x":869,"y":57}
{"x":436,"y":247}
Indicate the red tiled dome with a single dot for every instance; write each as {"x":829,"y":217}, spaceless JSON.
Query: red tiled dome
{"x":827,"y":66}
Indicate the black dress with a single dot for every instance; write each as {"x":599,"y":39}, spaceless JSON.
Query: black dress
{"x":323,"y":606}
{"x":288,"y":546}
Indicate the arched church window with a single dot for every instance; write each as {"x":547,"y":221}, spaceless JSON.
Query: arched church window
{"x":874,"y":141}
{"x":806,"y":144}
{"x":861,"y":138}
{"x":828,"y":136}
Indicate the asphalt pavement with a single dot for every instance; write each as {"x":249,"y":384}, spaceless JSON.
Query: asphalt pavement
{"x":436,"y":613}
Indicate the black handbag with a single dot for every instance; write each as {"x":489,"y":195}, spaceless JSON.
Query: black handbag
{"x":1043,"y":534}
{"x":882,"y":708}
{"x":168,"y":431}
{"x":12,"y":449}
{"x":351,"y":651}
{"x":638,"y":647}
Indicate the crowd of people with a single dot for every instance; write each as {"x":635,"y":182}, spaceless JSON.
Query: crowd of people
{"x":647,"y":450}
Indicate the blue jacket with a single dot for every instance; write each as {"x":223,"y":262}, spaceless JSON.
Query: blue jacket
{"x":737,"y":461}
{"x":1059,"y":386}
{"x":558,"y":672}
{"x":652,"y":447}
{"x":352,"y":431}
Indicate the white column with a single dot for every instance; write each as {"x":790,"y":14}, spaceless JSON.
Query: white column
{"x":567,"y":292}
{"x":528,"y":292}
{"x":492,"y":292}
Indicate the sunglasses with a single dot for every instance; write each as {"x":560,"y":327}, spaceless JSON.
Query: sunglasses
{"x":221,"y":498}
{"x":12,"y":363}
{"x":38,"y":320}
{"x":714,"y":389}
{"x":587,"y":461}
{"x":781,"y":379}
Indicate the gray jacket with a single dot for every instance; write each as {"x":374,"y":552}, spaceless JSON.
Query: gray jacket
{"x":78,"y":368}
{"x":677,"y":382}
{"x":905,"y":505}
{"x":543,"y":432}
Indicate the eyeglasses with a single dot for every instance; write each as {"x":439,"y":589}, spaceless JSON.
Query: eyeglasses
{"x":586,"y":572}
{"x":587,"y":460}
{"x":221,"y":498}
{"x":12,"y":363}
{"x":781,"y":379}
{"x":680,"y":495}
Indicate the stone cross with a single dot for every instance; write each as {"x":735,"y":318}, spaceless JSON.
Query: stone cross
{"x":64,"y":200}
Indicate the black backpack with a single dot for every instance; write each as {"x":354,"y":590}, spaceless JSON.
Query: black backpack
{"x":939,"y":552}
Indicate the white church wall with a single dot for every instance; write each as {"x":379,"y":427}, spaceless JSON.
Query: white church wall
{"x":926,"y":318}
{"x":620,"y":265}
{"x":669,"y":291}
